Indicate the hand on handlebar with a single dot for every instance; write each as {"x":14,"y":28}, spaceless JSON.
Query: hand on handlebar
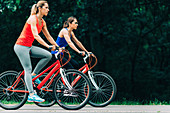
{"x":52,"y":47}
{"x":91,"y":54}
{"x":82,"y":53}
{"x":60,"y":49}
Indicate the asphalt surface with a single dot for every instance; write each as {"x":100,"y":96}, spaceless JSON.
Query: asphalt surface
{"x":89,"y":109}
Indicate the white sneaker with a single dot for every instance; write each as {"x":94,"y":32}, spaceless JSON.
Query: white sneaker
{"x":35,"y":98}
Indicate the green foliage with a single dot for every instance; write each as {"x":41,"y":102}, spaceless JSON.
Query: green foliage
{"x":124,"y":101}
{"x":129,"y":38}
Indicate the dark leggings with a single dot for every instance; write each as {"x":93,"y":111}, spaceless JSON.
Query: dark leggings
{"x":72,"y":64}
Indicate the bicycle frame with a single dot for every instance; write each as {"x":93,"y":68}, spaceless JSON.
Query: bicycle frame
{"x":55,"y":67}
{"x":86,"y":69}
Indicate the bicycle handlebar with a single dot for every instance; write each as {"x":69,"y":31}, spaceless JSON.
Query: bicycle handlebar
{"x":69,"y":58}
{"x":61,"y":52}
{"x":90,"y":59}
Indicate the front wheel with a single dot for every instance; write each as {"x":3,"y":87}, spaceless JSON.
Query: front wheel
{"x":9,"y":99}
{"x":76,"y":97}
{"x":106,"y":91}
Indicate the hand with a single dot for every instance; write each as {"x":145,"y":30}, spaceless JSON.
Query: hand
{"x":61,"y":49}
{"x":52,"y":47}
{"x":91,"y":54}
{"x":82,"y":53}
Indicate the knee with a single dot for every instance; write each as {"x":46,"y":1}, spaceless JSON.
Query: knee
{"x":49,"y":56}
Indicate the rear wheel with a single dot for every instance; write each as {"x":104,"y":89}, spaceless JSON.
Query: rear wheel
{"x":78,"y":96}
{"x":10,"y":71}
{"x":107,"y":90}
{"x":10,"y":100}
{"x":46,"y":93}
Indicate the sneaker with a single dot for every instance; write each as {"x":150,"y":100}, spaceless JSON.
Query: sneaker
{"x":35,"y":98}
{"x":37,"y":81}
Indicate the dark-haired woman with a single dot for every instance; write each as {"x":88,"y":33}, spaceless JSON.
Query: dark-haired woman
{"x":66,"y":37}
{"x":24,"y":48}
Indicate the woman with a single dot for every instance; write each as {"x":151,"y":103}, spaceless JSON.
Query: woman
{"x":66,"y":36}
{"x":24,"y":48}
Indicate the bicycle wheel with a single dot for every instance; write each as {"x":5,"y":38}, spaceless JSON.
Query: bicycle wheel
{"x":107,"y":90}
{"x":78,"y":96}
{"x":10,"y":71}
{"x":46,"y":93}
{"x":12,"y":100}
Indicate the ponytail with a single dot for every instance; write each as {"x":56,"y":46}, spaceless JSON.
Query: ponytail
{"x":69,"y":20}
{"x":66,"y":24}
{"x":34,"y":9}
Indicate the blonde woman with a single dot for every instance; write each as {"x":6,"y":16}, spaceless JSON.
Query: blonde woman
{"x":24,"y":48}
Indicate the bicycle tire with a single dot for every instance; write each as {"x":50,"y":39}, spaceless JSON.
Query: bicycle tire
{"x":9,"y":71}
{"x":48,"y":96}
{"x":106,"y":92}
{"x":11,"y":100}
{"x":78,"y":96}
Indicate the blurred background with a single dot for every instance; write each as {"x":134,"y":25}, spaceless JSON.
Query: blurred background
{"x":129,"y":38}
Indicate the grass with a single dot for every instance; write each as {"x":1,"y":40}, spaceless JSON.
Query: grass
{"x":12,"y":102}
{"x":126,"y":102}
{"x":137,"y":102}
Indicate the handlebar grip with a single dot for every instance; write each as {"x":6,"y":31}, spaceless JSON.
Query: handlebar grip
{"x":50,"y":47}
{"x":80,"y":53}
{"x":86,"y":53}
{"x":57,"y":48}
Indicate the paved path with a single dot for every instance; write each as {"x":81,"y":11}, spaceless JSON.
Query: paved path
{"x":89,"y":109}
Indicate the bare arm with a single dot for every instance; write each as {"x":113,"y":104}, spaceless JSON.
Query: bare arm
{"x":78,"y":42}
{"x":47,"y":34}
{"x":68,"y":40}
{"x":32,"y":22}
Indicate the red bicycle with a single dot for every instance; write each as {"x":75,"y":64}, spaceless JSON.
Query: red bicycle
{"x":103,"y":86}
{"x":59,"y":85}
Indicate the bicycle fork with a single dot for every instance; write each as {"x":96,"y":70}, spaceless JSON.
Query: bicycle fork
{"x":90,"y":73}
{"x":63,"y":75}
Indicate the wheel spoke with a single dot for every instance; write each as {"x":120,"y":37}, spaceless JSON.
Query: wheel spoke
{"x":9,"y":99}
{"x":3,"y":83}
{"x":103,"y":96}
{"x":45,"y":94}
{"x":78,"y":96}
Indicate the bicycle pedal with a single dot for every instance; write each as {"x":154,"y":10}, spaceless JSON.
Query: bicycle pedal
{"x":71,"y":95}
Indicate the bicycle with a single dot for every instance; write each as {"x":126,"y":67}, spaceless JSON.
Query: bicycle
{"x":103,"y":86}
{"x":59,"y":86}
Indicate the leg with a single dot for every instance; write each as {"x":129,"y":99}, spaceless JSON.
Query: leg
{"x":23,"y":54}
{"x":40,"y":53}
{"x":24,"y":57}
{"x":64,"y":60}
{"x":68,"y":65}
{"x":74,"y":64}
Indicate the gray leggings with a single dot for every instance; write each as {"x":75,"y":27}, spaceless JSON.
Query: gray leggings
{"x":24,"y":54}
